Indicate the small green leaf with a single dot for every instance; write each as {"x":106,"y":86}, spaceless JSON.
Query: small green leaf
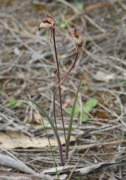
{"x":68,"y":110}
{"x":85,"y":117}
{"x":12,"y":100}
{"x":90,"y":104}
{"x":76,"y":110}
{"x":18,"y":104}
{"x":11,"y":105}
{"x":87,"y":108}
{"x":78,"y":5}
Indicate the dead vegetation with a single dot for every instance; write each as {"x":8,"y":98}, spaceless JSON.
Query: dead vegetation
{"x":27,"y":70}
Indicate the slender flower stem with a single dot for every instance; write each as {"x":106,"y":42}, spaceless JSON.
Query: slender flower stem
{"x":58,"y":87}
{"x":61,"y":153}
{"x":58,"y":76}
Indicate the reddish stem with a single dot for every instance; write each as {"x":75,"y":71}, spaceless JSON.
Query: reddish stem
{"x":54,"y":109}
{"x":61,"y":153}
{"x":58,"y":87}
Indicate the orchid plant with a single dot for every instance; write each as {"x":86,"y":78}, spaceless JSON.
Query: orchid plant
{"x":49,"y":23}
{"x":78,"y":41}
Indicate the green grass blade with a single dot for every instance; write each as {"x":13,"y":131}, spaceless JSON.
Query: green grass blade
{"x":50,"y":148}
{"x":53,"y":127}
{"x":48,"y":118}
{"x":71,"y":119}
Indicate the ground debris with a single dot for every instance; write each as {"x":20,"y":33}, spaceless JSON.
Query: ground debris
{"x":28,"y":71}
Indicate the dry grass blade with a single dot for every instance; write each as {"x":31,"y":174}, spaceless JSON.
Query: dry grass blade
{"x":18,"y":176}
{"x":89,"y":169}
{"x":13,"y":163}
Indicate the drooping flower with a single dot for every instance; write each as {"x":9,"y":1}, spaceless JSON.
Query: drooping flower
{"x":49,"y":23}
{"x":77,"y":39}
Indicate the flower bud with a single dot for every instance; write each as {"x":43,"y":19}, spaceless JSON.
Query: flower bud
{"x":76,"y":37}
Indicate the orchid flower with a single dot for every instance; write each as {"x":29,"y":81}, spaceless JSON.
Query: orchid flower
{"x":77,"y":39}
{"x":49,"y":23}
